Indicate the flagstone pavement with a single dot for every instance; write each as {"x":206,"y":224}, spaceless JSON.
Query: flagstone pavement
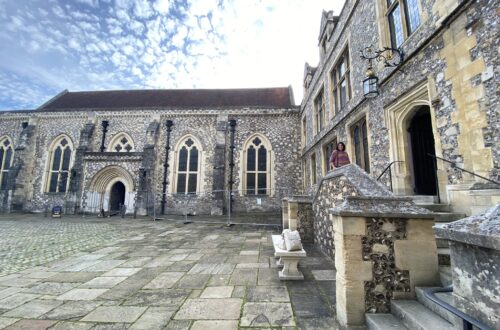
{"x":89,"y":273}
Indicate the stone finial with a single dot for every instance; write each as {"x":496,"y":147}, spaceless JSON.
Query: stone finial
{"x":481,"y":230}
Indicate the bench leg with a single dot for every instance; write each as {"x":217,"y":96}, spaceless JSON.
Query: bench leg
{"x":280,"y":263}
{"x":290,"y":270}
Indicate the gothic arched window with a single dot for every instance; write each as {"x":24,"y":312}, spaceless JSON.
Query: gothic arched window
{"x":6,"y":159}
{"x":188,"y":166}
{"x":257,"y":165}
{"x":59,"y":166}
{"x":122,"y":142}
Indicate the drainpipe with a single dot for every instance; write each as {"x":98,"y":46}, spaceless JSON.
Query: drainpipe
{"x":232,"y":127}
{"x":104,"y":125}
{"x":169,"y":125}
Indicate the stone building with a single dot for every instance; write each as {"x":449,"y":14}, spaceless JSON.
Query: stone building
{"x":106,"y":151}
{"x":434,"y":113}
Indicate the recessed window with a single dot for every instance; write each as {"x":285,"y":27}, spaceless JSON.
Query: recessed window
{"x":60,"y":162}
{"x":188,"y":166}
{"x":359,"y":133}
{"x":313,"y":169}
{"x":122,"y":142}
{"x":257,"y":166}
{"x":319,"y":108}
{"x":327,"y":152}
{"x":341,"y":89}
{"x":6,"y":159}
{"x":404,"y":18}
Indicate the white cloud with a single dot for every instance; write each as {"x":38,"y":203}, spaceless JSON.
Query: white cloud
{"x":143,"y":9}
{"x":162,"y":6}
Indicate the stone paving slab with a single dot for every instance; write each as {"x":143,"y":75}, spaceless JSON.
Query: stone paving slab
{"x":217,"y":309}
{"x":215,"y":325}
{"x":120,"y":314}
{"x":163,"y":275}
{"x":267,"y":315}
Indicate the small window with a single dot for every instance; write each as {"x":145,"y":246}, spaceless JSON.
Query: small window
{"x":404,"y":18}
{"x":359,"y":134}
{"x":304,"y":132}
{"x":60,"y":163}
{"x":328,"y":148}
{"x":188,"y":167}
{"x":6,"y":160}
{"x":121,"y":143}
{"x":313,"y":169}
{"x":257,"y":166}
{"x":341,"y":85}
{"x":319,"y":107}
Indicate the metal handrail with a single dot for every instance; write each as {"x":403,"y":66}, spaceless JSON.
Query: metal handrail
{"x":464,"y":170}
{"x":467,"y":321}
{"x":388,"y":168}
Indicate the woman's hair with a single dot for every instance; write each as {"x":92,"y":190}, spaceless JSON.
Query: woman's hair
{"x":340,"y":143}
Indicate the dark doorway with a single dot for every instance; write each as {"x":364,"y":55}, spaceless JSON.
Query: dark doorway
{"x":116,"y":196}
{"x":422,"y":144}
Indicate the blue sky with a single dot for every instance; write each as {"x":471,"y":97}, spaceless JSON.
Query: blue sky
{"x":51,"y":45}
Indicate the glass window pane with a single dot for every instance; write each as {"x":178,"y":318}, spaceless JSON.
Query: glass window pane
{"x":192,"y":183}
{"x":8,"y":159}
{"x":63,"y":182}
{"x":56,"y":160}
{"x":193,"y":160}
{"x":342,"y":68}
{"x":365,"y":148}
{"x":262,"y":159}
{"x":1,"y":157}
{"x":181,"y":183}
{"x":66,"y":159}
{"x":53,"y":182}
{"x":396,"y":26}
{"x":357,"y":146}
{"x":183,"y":154}
{"x":3,"y":184}
{"x":250,"y":184}
{"x":251,"y":159}
{"x":343,"y":94}
{"x":413,"y":15}
{"x":262,"y":183}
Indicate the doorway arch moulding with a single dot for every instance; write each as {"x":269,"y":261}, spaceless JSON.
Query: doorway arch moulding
{"x":397,"y":117}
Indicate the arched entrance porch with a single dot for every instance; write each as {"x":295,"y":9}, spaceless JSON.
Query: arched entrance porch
{"x":110,"y":188}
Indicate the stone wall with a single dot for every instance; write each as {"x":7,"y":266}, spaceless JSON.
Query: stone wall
{"x":279,"y":126}
{"x":453,"y":56}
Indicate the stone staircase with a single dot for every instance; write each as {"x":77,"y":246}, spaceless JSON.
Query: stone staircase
{"x":420,"y":314}
{"x":443,"y":216}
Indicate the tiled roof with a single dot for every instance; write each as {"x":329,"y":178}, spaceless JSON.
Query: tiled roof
{"x":172,"y":98}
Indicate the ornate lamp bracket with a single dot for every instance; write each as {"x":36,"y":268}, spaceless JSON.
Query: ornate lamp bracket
{"x":391,"y":57}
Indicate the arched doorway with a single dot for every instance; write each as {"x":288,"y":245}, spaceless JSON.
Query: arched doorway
{"x":421,"y":141}
{"x":116,"y":196}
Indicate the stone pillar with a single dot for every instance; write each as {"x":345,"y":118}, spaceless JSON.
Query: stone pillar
{"x":19,"y":185}
{"x":475,"y":260}
{"x":284,"y":215}
{"x":77,"y":172}
{"x":219,"y":168}
{"x":384,"y":248}
{"x":146,"y":198}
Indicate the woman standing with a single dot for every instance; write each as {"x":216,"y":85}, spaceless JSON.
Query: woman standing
{"x":339,"y":157}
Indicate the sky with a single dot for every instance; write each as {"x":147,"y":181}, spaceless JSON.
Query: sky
{"x":47,"y":46}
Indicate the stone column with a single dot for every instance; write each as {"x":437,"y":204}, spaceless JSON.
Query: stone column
{"x":19,"y":185}
{"x":219,"y":168}
{"x":475,"y":260}
{"x":384,"y":248}
{"x":284,"y":211}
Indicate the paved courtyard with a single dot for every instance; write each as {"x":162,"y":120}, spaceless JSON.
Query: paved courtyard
{"x":89,"y":273}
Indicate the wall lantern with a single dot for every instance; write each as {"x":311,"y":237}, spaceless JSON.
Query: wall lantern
{"x":390,"y":56}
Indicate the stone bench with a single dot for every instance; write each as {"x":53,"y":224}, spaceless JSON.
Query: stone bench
{"x":289,"y":260}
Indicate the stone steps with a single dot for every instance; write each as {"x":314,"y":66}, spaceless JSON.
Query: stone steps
{"x":383,"y":322}
{"x":416,"y":316}
{"x":445,"y":275}
{"x":446,"y":297}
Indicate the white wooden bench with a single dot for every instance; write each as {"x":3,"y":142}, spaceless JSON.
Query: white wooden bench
{"x":289,"y":260}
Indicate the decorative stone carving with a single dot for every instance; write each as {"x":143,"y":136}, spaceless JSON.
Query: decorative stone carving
{"x":378,"y":247}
